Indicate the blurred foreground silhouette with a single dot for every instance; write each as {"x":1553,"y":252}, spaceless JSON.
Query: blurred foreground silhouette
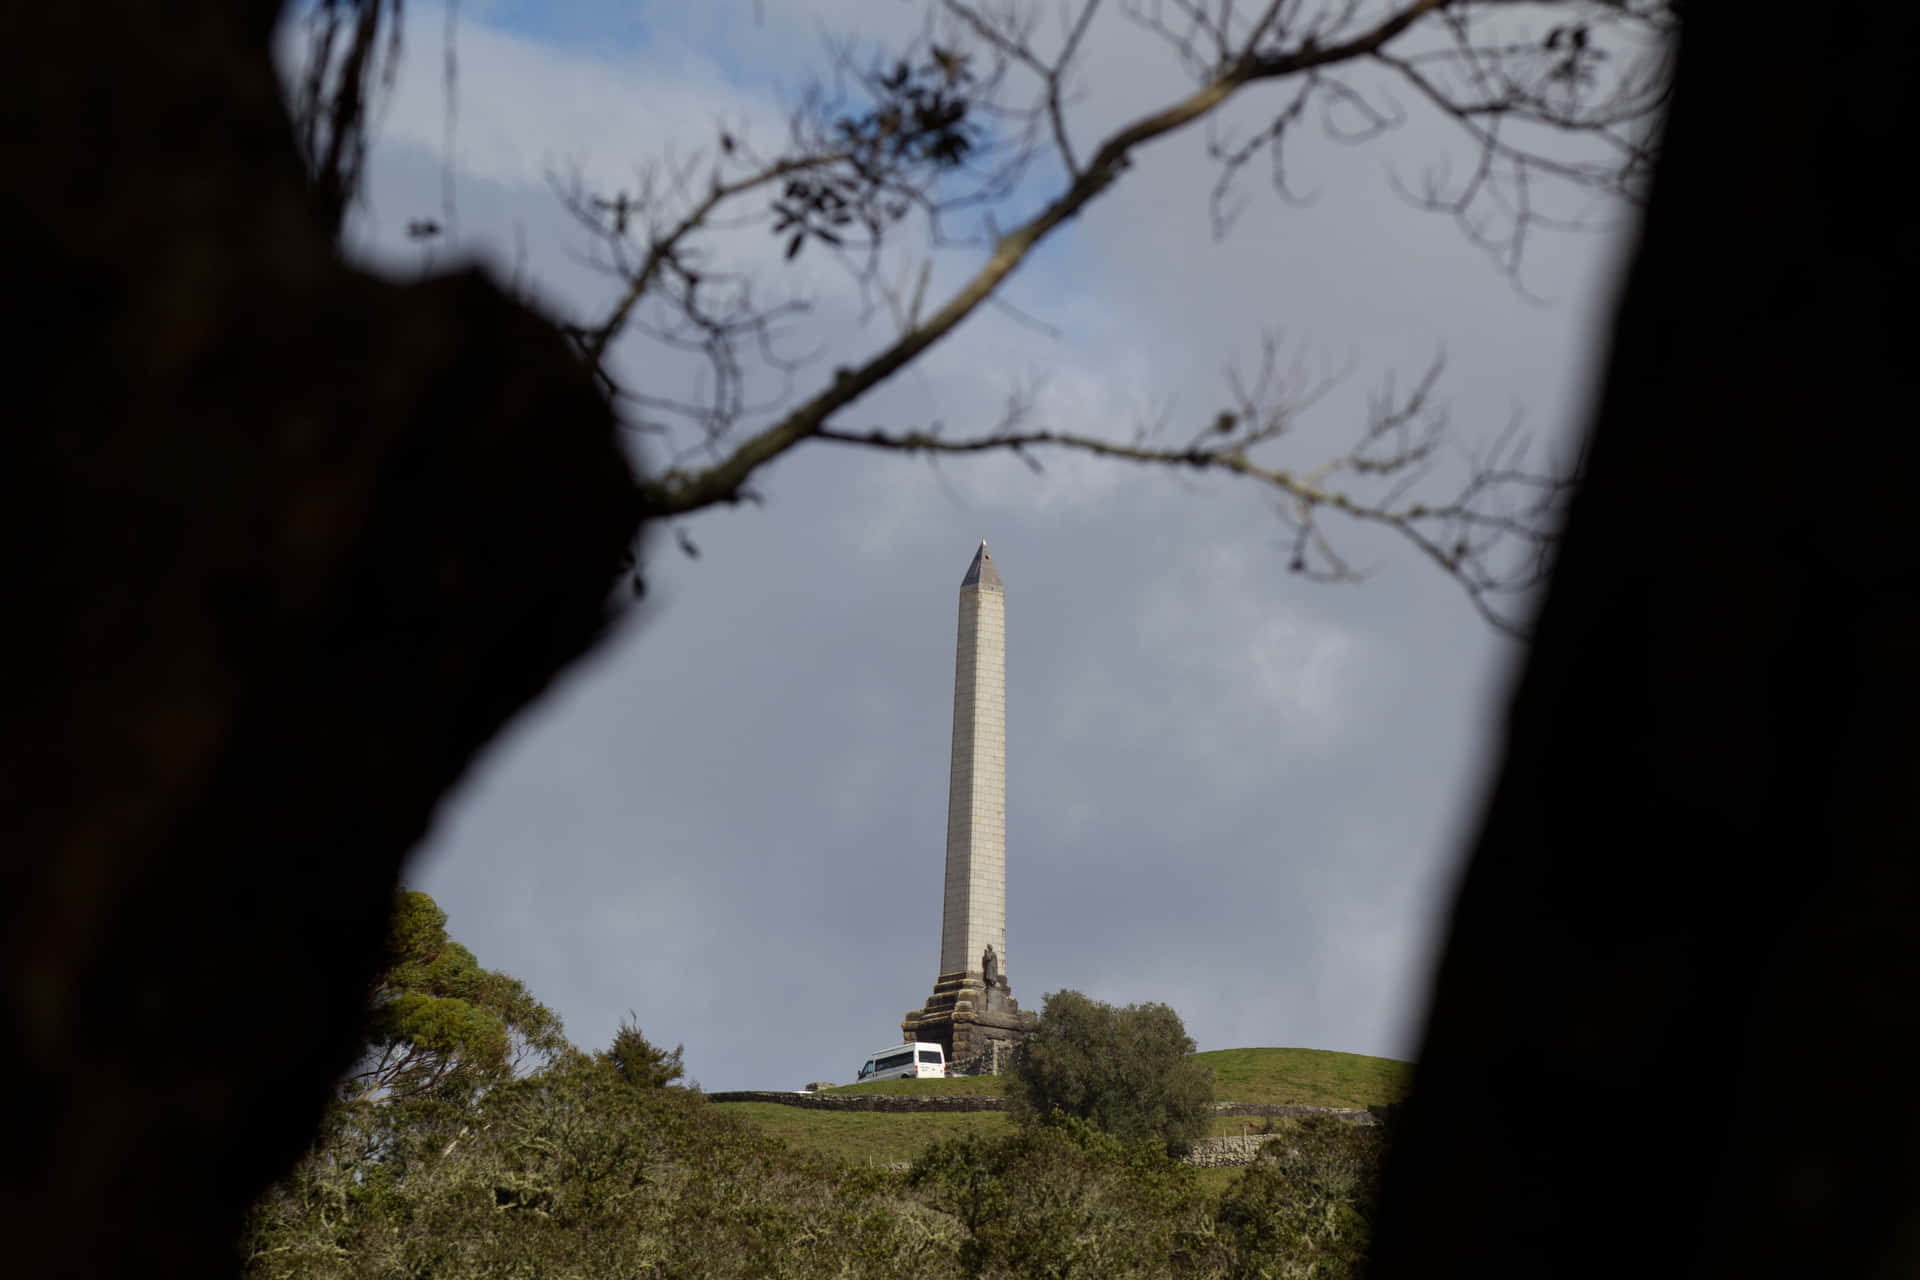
{"x":288,"y":545}
{"x":1693,"y":911}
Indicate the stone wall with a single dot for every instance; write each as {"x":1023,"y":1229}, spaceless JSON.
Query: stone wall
{"x":861,"y":1101}
{"x":908,"y":1103}
{"x":1208,"y":1153}
{"x":968,"y":1015}
{"x":995,"y":1058}
{"x":1221,"y":1153}
{"x":1358,"y":1115}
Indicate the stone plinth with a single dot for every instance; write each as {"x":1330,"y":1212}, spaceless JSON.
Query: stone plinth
{"x":966,"y":1016}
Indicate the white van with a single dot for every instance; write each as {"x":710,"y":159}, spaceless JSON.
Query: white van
{"x":918,"y":1060}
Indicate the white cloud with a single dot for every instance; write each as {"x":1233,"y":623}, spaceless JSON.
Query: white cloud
{"x":525,"y":109}
{"x":1302,"y":671}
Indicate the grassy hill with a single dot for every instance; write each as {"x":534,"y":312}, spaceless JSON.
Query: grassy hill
{"x":1306,"y":1077}
{"x":964,"y":1086}
{"x":1309,"y":1077}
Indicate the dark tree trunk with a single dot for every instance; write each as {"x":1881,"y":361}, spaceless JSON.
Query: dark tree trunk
{"x":1674,"y":1025}
{"x":285,"y":547}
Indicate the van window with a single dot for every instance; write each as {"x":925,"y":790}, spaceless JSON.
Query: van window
{"x":930,"y":1055}
{"x":893,"y":1060}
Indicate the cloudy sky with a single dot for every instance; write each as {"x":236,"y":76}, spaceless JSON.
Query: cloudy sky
{"x":1231,"y":790}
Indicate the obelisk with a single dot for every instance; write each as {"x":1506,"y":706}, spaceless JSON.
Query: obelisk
{"x":972,"y":1008}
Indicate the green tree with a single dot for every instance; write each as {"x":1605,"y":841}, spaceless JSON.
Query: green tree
{"x":439,"y":1025}
{"x":640,"y":1062}
{"x":1128,"y":1071}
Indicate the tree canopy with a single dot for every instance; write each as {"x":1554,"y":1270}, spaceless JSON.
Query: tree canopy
{"x":1127,"y":1071}
{"x":440,"y":1025}
{"x":640,"y":1062}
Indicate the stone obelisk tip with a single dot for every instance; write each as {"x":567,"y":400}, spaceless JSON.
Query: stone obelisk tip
{"x":981,"y":572}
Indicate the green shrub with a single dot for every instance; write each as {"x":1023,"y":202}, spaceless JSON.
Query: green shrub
{"x":1127,"y":1071}
{"x":1306,"y":1209}
{"x":592,"y":1165}
{"x":576,"y":1173}
{"x":1062,"y":1200}
{"x":597,"y":1165}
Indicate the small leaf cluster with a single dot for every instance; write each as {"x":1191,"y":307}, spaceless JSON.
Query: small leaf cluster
{"x":1575,"y":61}
{"x":921,"y":117}
{"x":918,"y":126}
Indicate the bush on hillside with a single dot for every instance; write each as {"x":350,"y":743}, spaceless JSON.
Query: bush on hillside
{"x":1064,"y":1200}
{"x":1127,"y":1071}
{"x":585,"y":1167}
{"x":1305,"y":1209}
{"x":592,"y":1165}
{"x":573,"y":1172}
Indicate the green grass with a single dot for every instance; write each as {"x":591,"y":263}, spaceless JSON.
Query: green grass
{"x":1307,"y":1077}
{"x":1304,"y":1077}
{"x":1216,"y":1181}
{"x":1232,"y":1126}
{"x":962,"y":1086}
{"x":860,"y":1136}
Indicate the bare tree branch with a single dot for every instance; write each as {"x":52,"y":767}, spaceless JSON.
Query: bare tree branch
{"x":1458,"y":535}
{"x":677,"y":492}
{"x":935,"y":134}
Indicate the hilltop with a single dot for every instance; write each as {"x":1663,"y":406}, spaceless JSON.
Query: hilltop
{"x":1307,"y":1077}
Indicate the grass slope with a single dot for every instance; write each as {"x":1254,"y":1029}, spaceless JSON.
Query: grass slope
{"x":1307,"y":1077}
{"x":963,"y":1086}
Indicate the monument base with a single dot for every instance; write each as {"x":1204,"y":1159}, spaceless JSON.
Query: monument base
{"x":977,"y":1022}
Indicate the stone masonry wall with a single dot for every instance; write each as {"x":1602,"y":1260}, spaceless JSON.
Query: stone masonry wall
{"x":1208,"y":1153}
{"x":1358,"y":1115}
{"x":861,"y":1101}
{"x":1226,"y":1153}
{"x":989,"y":1102}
